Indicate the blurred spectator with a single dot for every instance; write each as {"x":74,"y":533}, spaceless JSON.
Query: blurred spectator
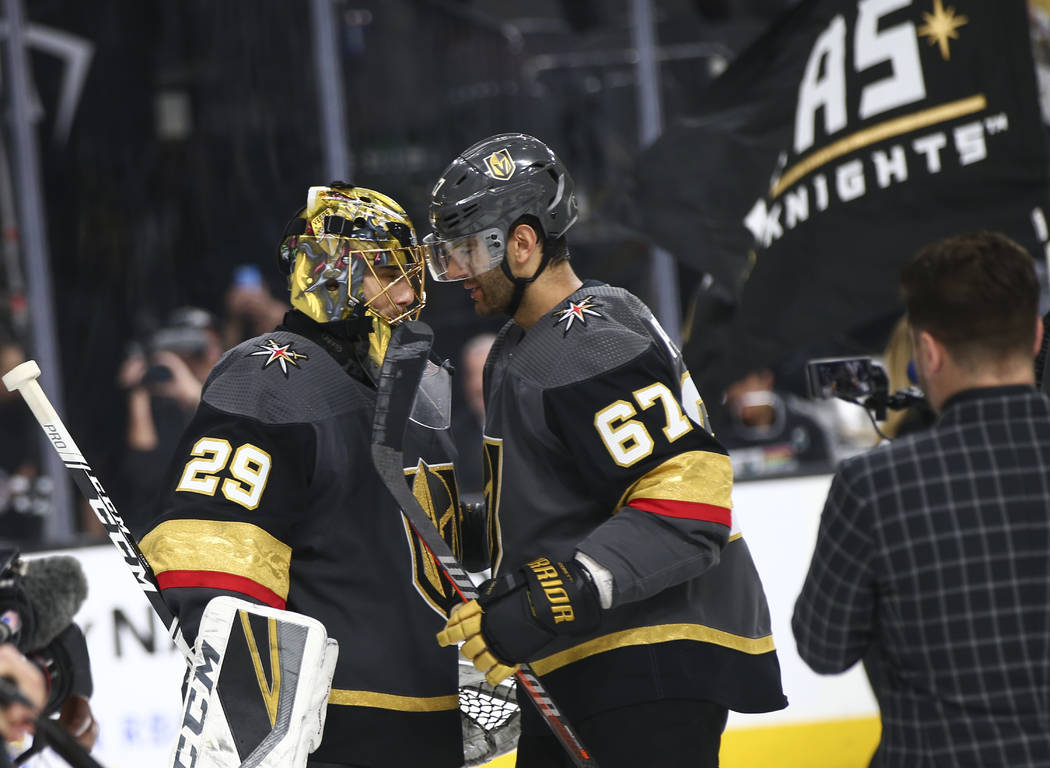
{"x":475,"y":353}
{"x":898,"y":356}
{"x":1042,"y":380}
{"x":469,"y":422}
{"x":25,"y":493}
{"x":251,"y":310}
{"x":163,"y":385}
{"x":765,"y":433}
{"x":705,"y":336}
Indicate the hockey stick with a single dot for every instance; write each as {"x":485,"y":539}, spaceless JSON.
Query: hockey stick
{"x":24,"y":379}
{"x":402,"y":370}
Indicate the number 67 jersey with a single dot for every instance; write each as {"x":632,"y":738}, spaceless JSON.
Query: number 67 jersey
{"x":596,"y":440}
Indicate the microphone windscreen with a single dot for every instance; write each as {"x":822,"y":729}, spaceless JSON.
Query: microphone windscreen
{"x":55,"y":587}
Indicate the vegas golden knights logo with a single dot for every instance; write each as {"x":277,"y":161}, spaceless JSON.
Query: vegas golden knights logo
{"x":434,"y":487}
{"x":493,"y":468}
{"x":269,"y":689}
{"x":500,"y":164}
{"x":250,"y":683}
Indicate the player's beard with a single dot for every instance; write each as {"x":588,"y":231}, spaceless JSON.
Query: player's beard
{"x":492,"y":293}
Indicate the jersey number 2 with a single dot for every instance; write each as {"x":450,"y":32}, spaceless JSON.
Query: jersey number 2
{"x":249,"y":468}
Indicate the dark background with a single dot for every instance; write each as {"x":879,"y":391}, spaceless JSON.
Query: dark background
{"x":142,"y":219}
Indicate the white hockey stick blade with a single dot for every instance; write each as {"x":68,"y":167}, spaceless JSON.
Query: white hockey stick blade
{"x":23,"y":379}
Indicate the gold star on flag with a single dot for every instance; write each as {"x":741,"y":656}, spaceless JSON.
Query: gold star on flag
{"x":941,"y":26}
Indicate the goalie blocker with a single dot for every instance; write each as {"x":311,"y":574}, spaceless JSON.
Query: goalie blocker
{"x":258,"y":688}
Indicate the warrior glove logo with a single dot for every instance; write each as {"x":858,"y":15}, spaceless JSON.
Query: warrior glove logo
{"x":500,"y":165}
{"x":550,"y":580}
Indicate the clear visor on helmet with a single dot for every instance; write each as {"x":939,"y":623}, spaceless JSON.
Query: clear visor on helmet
{"x":332,"y":274}
{"x":463,"y":257}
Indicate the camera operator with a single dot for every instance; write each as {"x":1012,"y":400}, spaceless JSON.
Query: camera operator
{"x":16,"y":719}
{"x":43,"y":654}
{"x":931,"y":557}
{"x":163,"y":385}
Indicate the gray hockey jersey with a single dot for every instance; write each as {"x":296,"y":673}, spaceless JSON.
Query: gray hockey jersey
{"x":596,"y":440}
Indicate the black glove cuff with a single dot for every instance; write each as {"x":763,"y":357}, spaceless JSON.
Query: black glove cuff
{"x":506,"y":622}
{"x":563,"y":596}
{"x":527,"y":609}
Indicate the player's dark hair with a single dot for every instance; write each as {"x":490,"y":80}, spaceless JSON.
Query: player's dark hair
{"x":556,"y":249}
{"x":976,"y":293}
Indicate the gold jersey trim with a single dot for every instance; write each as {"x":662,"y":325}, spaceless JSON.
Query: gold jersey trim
{"x":697,"y":476}
{"x":346,"y":698}
{"x":663,"y":633}
{"x":241,"y":549}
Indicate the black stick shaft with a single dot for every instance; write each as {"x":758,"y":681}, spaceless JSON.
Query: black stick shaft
{"x":402,"y":370}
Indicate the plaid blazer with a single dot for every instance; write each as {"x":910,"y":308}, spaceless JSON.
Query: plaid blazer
{"x":932,"y":563}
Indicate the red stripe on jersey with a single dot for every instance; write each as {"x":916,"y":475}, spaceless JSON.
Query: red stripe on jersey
{"x":224,"y":581}
{"x":692,"y":510}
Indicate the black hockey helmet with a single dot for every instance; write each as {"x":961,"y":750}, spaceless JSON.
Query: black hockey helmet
{"x":485,"y":190}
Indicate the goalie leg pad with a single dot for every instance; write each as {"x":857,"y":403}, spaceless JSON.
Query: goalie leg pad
{"x":258,"y":688}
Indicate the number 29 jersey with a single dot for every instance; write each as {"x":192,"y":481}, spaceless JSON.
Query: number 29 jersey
{"x":274,"y":498}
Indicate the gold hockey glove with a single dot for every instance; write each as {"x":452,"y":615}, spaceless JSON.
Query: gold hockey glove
{"x":464,"y":625}
{"x":519,"y":613}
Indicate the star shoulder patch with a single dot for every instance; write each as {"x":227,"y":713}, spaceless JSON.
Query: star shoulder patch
{"x":280,"y":354}
{"x":577,"y":310}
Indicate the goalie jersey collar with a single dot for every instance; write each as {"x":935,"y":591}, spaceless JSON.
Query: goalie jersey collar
{"x":345,"y":340}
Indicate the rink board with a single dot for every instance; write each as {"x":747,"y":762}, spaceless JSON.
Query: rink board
{"x":833,"y":719}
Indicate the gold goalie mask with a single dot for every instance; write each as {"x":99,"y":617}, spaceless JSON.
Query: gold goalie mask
{"x":353,"y":246}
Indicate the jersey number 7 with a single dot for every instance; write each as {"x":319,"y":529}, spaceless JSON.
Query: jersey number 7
{"x":627,"y":439}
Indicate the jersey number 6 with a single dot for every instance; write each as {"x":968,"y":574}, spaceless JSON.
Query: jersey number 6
{"x":627,"y":440}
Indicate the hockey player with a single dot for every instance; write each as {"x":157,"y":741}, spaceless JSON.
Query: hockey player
{"x":273,"y":499}
{"x":618,"y":572}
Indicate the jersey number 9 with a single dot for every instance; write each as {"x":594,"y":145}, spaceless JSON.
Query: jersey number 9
{"x":249,"y":470}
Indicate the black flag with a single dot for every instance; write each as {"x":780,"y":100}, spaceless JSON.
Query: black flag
{"x":848,"y":136}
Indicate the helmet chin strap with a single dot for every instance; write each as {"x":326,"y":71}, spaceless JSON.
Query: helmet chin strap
{"x":521,"y":283}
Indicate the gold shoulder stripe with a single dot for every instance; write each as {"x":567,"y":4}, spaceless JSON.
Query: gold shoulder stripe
{"x":663,"y":633}
{"x":241,"y":549}
{"x":699,"y":476}
{"x":347,"y":698}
